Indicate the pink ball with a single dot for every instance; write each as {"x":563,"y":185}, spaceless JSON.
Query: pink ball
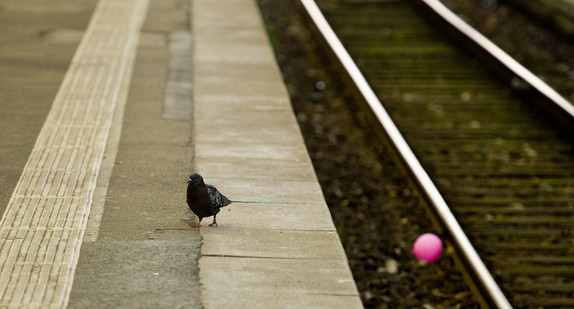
{"x":427,"y":247}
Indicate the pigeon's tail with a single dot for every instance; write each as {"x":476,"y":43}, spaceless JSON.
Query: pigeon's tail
{"x":224,"y":201}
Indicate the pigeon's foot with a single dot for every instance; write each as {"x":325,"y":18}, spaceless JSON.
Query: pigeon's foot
{"x":213,"y":224}
{"x":197,"y":225}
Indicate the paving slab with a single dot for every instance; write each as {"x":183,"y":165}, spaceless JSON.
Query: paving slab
{"x":219,"y":86}
{"x":258,"y":241}
{"x":282,"y":170}
{"x":252,"y":69}
{"x":270,"y":190}
{"x":290,"y":276}
{"x":255,"y":151}
{"x":268,"y":215}
{"x":254,"y":299}
{"x":126,"y":274}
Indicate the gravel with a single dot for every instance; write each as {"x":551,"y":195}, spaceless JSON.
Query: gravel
{"x":376,"y":210}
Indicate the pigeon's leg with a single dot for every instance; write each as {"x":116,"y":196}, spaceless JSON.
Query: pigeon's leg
{"x":214,"y":223}
{"x":198,"y":223}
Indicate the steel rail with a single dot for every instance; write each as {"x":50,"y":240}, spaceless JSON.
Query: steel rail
{"x":501,"y":56}
{"x":412,"y":163}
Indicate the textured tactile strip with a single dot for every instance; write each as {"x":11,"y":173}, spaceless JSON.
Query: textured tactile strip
{"x":42,"y":228}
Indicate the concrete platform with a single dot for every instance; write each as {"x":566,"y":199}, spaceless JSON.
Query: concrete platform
{"x":279,"y":247}
{"x":155,"y":90}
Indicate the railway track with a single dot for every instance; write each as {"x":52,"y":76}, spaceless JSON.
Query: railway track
{"x":505,"y":171}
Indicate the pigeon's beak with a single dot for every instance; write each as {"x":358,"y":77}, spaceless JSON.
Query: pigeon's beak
{"x":189,"y":180}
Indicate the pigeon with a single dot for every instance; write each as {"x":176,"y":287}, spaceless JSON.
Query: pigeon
{"x":204,"y":200}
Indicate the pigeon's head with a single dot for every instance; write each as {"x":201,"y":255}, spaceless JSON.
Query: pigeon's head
{"x":195,"y":180}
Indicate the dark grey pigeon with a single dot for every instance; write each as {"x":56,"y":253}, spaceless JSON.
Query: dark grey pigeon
{"x":204,"y":200}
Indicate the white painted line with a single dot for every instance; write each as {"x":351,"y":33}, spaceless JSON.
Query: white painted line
{"x":43,"y":226}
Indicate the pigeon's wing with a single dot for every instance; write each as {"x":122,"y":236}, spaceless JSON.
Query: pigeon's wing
{"x":217,"y":199}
